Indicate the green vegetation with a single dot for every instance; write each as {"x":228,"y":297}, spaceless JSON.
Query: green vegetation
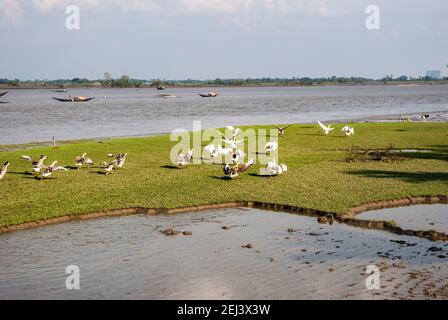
{"x":126,"y":82}
{"x":318,"y":177}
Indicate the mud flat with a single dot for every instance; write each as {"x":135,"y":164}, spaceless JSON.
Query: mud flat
{"x":418,"y":217}
{"x":233,"y":253}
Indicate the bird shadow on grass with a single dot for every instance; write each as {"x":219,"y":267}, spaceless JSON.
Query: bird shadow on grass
{"x":260,"y":175}
{"x":169,"y":167}
{"x":412,"y":177}
{"x":221,"y":177}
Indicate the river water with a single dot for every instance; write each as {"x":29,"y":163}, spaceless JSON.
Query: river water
{"x":130,"y":258}
{"x":32,"y":116}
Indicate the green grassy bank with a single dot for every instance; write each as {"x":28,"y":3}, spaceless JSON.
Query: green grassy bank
{"x":318,"y":176}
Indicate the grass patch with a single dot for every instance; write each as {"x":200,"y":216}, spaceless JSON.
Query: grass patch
{"x":318,"y":176}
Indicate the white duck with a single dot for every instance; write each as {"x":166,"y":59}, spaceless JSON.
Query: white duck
{"x":270,"y":147}
{"x":326,"y":129}
{"x":348,"y":131}
{"x":4,"y":169}
{"x":81,"y":160}
{"x":50,"y":169}
{"x":109,"y":167}
{"x":38,"y":165}
{"x":184,"y":159}
{"x":234,"y":171}
{"x":275,"y":169}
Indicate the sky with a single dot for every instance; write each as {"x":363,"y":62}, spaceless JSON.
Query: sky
{"x":208,"y":39}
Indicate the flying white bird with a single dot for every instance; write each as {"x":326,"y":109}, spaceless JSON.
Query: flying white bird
{"x":4,"y":169}
{"x":38,"y":165}
{"x":184,"y":159}
{"x":271,"y":146}
{"x":326,"y":129}
{"x":81,"y":160}
{"x":348,"y":131}
{"x":275,"y":169}
{"x":50,"y":169}
{"x":234,"y":171}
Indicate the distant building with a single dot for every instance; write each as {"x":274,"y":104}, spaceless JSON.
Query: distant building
{"x":434,"y":74}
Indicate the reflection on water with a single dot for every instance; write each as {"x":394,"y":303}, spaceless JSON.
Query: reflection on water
{"x":129,"y":257}
{"x":33,"y":116}
{"x":419,"y":217}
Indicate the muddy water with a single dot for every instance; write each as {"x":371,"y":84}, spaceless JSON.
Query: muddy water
{"x":32,"y":115}
{"x":419,"y":217}
{"x":129,"y":257}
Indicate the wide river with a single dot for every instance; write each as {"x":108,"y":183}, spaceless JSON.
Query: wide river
{"x":32,"y":116}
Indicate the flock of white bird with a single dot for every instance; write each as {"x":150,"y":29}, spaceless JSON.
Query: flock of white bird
{"x":347,"y":130}
{"x":38,"y":167}
{"x":231,"y":153}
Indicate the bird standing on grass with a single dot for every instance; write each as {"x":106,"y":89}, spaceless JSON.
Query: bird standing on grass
{"x":348,"y":131}
{"x":234,"y":171}
{"x":184,"y":159}
{"x":275,"y":169}
{"x":50,"y":169}
{"x":81,"y":160}
{"x":271,"y":146}
{"x":281,"y":130}
{"x":110,"y":167}
{"x":4,"y":169}
{"x":326,"y":129}
{"x":38,"y":165}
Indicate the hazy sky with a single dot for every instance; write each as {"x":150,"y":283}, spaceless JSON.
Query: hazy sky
{"x":203,"y":39}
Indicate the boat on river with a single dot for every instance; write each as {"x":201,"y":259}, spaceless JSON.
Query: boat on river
{"x":74,"y":99}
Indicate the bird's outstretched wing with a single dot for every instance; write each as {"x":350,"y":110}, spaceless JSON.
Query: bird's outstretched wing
{"x":27,"y":158}
{"x":246,"y":166}
{"x":60,"y":168}
{"x":278,"y":127}
{"x":322,"y":125}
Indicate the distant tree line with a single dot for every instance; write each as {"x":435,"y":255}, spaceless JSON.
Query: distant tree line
{"x":126,"y":82}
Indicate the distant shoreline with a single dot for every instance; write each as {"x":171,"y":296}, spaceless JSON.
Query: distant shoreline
{"x":261,"y":85}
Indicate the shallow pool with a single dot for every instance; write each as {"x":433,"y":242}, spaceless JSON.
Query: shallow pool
{"x":130,"y":258}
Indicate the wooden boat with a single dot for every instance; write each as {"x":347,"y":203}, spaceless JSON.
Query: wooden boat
{"x":74,"y":99}
{"x":3,"y":93}
{"x":161,"y":88}
{"x":61,"y":90}
{"x":209,"y":95}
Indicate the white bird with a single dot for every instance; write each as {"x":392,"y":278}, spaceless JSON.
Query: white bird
{"x":4,"y":169}
{"x":234,"y":132}
{"x":232,"y":143}
{"x":109,"y":167}
{"x":234,"y":171}
{"x":271,"y":146}
{"x":348,"y":131}
{"x":220,"y":151}
{"x":184,"y":159}
{"x":81,"y":160}
{"x":326,"y":129}
{"x":50,"y":169}
{"x":121,"y":160}
{"x":274,"y":169}
{"x":38,"y":165}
